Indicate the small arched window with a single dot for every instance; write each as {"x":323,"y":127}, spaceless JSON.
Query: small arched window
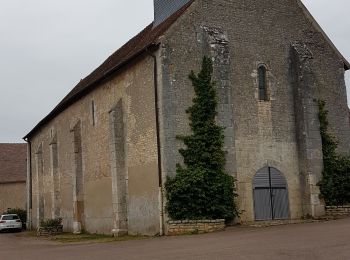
{"x":262,"y":83}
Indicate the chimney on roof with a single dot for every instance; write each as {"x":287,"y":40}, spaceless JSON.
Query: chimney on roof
{"x":165,"y":8}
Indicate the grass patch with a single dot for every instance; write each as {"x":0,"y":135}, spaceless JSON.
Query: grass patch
{"x":98,"y":238}
{"x":83,"y":238}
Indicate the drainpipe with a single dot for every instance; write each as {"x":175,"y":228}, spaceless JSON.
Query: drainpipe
{"x":29,"y":185}
{"x":159,"y":154}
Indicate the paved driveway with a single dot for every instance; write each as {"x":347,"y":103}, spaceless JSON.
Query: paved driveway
{"x":327,"y":240}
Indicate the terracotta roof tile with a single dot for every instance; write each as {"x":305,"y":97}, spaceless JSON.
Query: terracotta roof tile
{"x":13,"y":165}
{"x":135,"y":47}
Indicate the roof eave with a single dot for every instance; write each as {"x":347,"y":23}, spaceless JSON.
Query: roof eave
{"x":319,"y":28}
{"x":154,"y":42}
{"x":74,"y":98}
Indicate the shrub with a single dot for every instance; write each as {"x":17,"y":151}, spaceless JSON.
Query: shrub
{"x":48,"y":223}
{"x":201,"y":188}
{"x":22,"y":214}
{"x":200,"y":194}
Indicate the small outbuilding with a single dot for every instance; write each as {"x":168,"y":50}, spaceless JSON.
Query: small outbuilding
{"x":13,"y":172}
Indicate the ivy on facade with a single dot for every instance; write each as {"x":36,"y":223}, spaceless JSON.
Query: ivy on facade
{"x":201,"y":188}
{"x":335,"y":183}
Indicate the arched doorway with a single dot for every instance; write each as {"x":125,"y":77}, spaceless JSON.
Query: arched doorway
{"x":270,"y":195}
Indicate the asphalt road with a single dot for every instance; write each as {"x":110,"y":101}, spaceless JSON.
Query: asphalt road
{"x":326,"y":240}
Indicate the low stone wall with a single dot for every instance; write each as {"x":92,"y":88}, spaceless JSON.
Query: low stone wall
{"x":49,"y":230}
{"x":183,"y":227}
{"x":338,"y":210}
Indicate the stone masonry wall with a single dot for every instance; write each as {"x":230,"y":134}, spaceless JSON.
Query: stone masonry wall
{"x":338,"y":210}
{"x":307,"y":128}
{"x":183,"y":227}
{"x":12,"y":195}
{"x":133,"y":91}
{"x":263,"y":133}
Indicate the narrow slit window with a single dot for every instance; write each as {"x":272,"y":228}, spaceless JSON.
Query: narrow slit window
{"x":262,"y":83}
{"x":93,"y":113}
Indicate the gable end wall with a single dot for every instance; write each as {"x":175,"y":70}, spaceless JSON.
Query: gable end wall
{"x":264,"y":133}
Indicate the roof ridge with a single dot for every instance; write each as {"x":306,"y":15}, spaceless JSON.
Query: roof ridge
{"x":125,"y":54}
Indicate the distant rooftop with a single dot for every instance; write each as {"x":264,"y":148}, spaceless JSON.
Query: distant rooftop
{"x":13,"y":164}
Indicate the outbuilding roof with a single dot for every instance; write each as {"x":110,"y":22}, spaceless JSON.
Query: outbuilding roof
{"x":13,"y":163}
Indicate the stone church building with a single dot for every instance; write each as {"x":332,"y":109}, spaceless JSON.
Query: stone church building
{"x":100,"y":159}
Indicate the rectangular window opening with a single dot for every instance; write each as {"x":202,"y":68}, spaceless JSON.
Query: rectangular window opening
{"x":93,"y":113}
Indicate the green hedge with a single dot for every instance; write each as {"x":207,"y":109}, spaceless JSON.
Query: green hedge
{"x":22,"y":214}
{"x":51,"y":223}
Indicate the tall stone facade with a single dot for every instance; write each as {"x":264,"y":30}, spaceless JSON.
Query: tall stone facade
{"x":281,"y":132}
{"x":94,"y":183}
{"x":113,"y":147}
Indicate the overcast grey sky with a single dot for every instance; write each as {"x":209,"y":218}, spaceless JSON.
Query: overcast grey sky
{"x":47,"y":46}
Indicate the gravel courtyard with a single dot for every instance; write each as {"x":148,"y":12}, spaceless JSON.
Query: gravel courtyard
{"x":324,"y":240}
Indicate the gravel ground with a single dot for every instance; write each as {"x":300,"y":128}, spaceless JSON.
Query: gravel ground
{"x":324,"y":240}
